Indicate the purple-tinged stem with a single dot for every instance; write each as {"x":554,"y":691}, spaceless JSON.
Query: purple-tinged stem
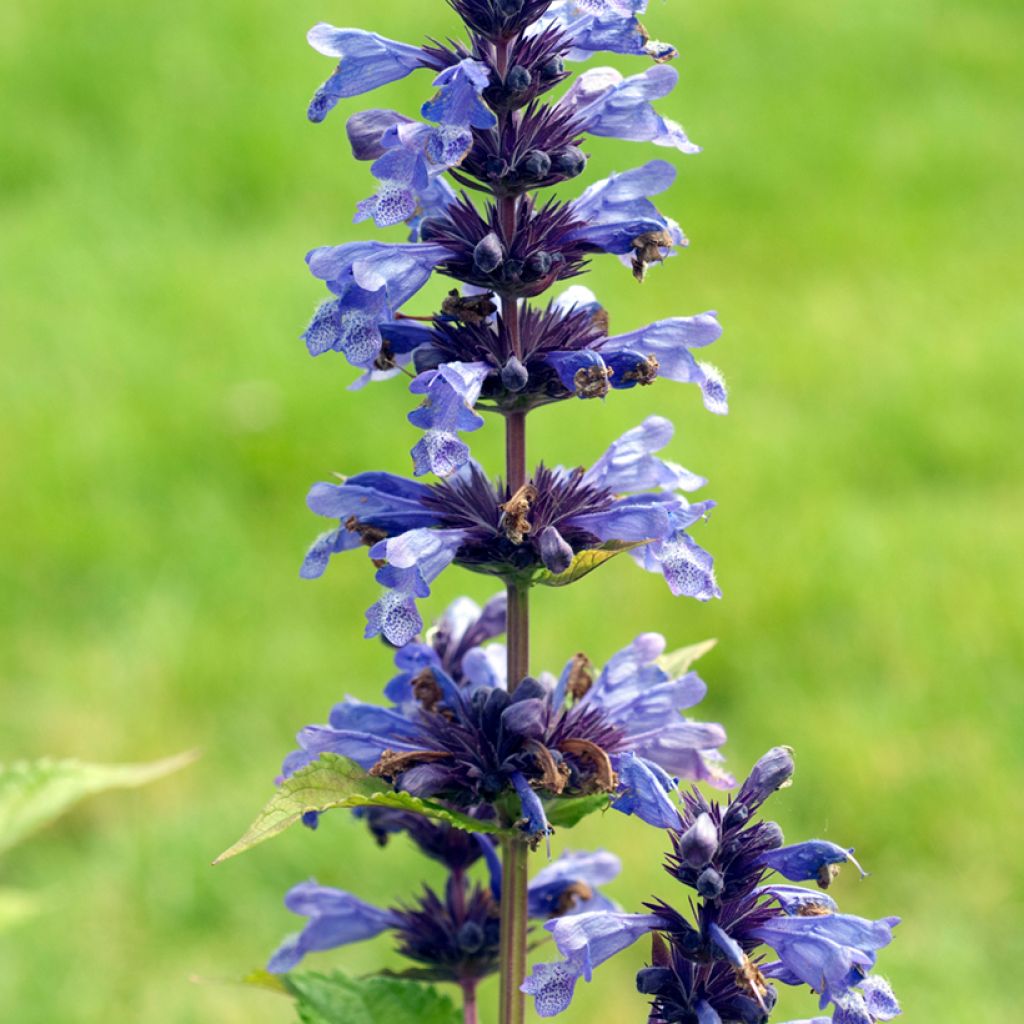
{"x":469,"y":1014}
{"x":514,"y":852}
{"x":514,"y":923}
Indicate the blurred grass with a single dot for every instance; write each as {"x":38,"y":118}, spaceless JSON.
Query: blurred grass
{"x":856,"y":218}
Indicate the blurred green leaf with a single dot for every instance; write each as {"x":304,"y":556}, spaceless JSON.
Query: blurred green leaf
{"x":584,"y":563}
{"x":15,"y":907}
{"x":677,"y":663}
{"x":337,"y":999}
{"x":33,"y":793}
{"x":263,"y":979}
{"x":332,"y":782}
{"x":569,"y":811}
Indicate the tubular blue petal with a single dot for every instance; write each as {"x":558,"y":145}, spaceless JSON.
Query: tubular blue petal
{"x":536,"y":822}
{"x":451,"y":392}
{"x":569,"y":885}
{"x":367,"y":61}
{"x":336,"y":918}
{"x":609,"y":25}
{"x":607,"y":104}
{"x":642,"y":792}
{"x":803,"y":862}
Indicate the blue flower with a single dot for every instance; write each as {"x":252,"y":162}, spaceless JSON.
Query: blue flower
{"x":830,"y":953}
{"x":366,"y":61}
{"x":371,"y":281}
{"x":816,"y":859}
{"x":616,"y":216}
{"x":410,"y":157}
{"x":710,"y":969}
{"x":585,"y":941}
{"x":336,"y":919}
{"x":454,"y":937}
{"x":609,"y":25}
{"x":453,"y":732}
{"x":415,"y":531}
{"x":605,"y":103}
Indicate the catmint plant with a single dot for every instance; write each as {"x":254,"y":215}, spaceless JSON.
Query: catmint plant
{"x":470,"y":755}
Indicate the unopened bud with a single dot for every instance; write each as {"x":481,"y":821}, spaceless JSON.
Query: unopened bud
{"x":536,"y":164}
{"x":555,"y":552}
{"x":488,"y":256}
{"x":518,"y":79}
{"x":552,"y":69}
{"x":514,"y":375}
{"x":509,"y":8}
{"x":568,"y":161}
{"x":698,"y":843}
{"x":538,"y":264}
{"x":710,"y":884}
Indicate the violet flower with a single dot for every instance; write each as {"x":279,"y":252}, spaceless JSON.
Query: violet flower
{"x":706,"y":967}
{"x":415,"y":531}
{"x":609,"y":25}
{"x":454,"y":937}
{"x":453,"y":732}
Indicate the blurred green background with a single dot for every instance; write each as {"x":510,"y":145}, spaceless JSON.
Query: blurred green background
{"x":855,"y":218}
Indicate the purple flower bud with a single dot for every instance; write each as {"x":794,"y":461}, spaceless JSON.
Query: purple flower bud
{"x":538,"y":264}
{"x":698,"y":843}
{"x":509,"y":8}
{"x":555,"y":551}
{"x":514,"y":376}
{"x":518,"y":80}
{"x":568,"y":161}
{"x":710,"y":884}
{"x":488,"y":255}
{"x":536,"y":164}
{"x":772,"y":772}
{"x":552,"y":69}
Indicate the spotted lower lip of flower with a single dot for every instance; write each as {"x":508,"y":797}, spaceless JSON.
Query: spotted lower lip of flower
{"x":371,"y":281}
{"x":605,"y":25}
{"x":605,"y":103}
{"x":366,"y":62}
{"x":616,"y":216}
{"x":628,"y":497}
{"x":454,"y":937}
{"x":413,"y":156}
{"x":585,"y":941}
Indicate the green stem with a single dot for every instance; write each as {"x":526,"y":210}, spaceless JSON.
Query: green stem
{"x":514,"y":855}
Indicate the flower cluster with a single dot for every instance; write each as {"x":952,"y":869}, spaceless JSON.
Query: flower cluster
{"x":487,"y":130}
{"x":453,"y":731}
{"x":466,"y":735}
{"x":452,"y":936}
{"x":415,"y":531}
{"x":706,"y":968}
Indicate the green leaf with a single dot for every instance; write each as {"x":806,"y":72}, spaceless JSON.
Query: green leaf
{"x":33,"y":793}
{"x":583,"y":563}
{"x":565,"y":812}
{"x":677,"y":663}
{"x":337,"y":999}
{"x":15,"y":907}
{"x":263,"y":979}
{"x":332,"y":782}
